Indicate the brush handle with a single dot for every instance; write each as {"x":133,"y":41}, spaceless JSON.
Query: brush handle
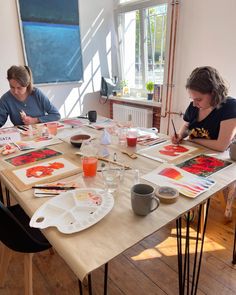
{"x":113,"y":162}
{"x":62,"y":188}
{"x":176,"y":135}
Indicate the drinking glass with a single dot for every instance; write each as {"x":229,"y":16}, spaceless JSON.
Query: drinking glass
{"x":89,"y":165}
{"x":52,"y":128}
{"x":132,"y":137}
{"x":111,"y":176}
{"x":122,"y":134}
{"x":89,"y":158}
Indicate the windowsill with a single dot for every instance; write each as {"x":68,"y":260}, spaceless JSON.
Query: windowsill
{"x":140,"y":101}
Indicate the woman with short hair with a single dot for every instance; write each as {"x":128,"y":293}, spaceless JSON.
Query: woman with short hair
{"x":210,"y":119}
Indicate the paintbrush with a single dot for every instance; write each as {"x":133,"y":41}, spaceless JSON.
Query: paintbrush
{"x":63,"y":188}
{"x":48,"y":194}
{"x":114,"y":162}
{"x":176,"y":135}
{"x":100,"y":170}
{"x":108,"y":161}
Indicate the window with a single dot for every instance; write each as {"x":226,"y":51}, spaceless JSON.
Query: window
{"x":142,"y":28}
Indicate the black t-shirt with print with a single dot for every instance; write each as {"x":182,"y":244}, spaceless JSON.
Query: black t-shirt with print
{"x":209,"y":127}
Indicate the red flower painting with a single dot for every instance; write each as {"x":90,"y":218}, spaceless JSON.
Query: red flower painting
{"x":203,"y":165}
{"x":42,"y":170}
{"x":33,"y":156}
{"x":173,"y":150}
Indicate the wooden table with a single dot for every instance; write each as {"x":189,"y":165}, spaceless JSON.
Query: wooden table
{"x":94,"y":247}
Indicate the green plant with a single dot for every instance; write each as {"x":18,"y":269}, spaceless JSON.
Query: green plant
{"x":123,"y":83}
{"x":150,"y":86}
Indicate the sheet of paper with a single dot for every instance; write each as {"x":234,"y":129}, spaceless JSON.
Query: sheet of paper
{"x":186,"y":183}
{"x":167,"y":151}
{"x":44,"y":170}
{"x":204,"y":165}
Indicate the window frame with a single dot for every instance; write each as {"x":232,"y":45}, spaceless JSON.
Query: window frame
{"x":141,"y":6}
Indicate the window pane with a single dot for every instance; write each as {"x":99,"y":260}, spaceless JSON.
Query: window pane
{"x":138,"y":62}
{"x":142,"y":38}
{"x":156,"y":18}
{"x":132,"y":66}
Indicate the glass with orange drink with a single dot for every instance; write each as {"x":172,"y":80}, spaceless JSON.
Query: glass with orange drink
{"x":89,"y":165}
{"x":89,"y":158}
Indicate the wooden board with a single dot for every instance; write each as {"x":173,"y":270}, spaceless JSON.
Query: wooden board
{"x":25,"y":177}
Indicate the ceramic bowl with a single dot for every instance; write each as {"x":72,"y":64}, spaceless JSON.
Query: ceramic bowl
{"x":77,"y":140}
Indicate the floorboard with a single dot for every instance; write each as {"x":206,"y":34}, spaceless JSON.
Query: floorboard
{"x":149,"y":267}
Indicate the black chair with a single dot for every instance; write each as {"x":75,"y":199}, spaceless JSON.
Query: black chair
{"x":17,"y":235}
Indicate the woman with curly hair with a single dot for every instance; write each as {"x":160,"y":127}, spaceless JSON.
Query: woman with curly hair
{"x":210,"y":119}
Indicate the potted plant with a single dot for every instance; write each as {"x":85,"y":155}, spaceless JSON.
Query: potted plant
{"x":150,"y":89}
{"x":125,"y":88}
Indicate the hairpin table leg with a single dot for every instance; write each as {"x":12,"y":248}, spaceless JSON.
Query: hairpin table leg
{"x":1,"y":194}
{"x":234,"y":248}
{"x":8,"y":197}
{"x":188,"y":280}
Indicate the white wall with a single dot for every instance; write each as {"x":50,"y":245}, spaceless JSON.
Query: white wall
{"x":99,"y":57}
{"x":206,"y":36}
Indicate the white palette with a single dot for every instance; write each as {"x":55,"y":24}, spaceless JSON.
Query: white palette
{"x":73,"y":211}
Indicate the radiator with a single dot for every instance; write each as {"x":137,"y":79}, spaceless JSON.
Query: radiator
{"x":141,"y":117}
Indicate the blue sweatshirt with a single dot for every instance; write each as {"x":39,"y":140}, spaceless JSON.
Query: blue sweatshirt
{"x":36,"y":105}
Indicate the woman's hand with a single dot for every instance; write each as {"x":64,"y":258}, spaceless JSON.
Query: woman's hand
{"x":27,"y":120}
{"x":182,"y":133}
{"x":176,"y":139}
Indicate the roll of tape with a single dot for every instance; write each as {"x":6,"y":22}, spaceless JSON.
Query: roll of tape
{"x":167,"y":194}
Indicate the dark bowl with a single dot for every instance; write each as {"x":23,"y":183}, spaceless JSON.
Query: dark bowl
{"x":77,"y":140}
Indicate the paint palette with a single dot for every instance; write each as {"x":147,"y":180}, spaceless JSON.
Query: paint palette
{"x":73,"y":211}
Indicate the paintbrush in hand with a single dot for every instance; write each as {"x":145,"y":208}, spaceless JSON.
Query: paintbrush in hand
{"x":176,"y":135}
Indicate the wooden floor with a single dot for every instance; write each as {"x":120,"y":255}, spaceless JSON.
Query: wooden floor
{"x":149,"y":268}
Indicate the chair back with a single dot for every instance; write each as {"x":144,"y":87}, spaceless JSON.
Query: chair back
{"x":16,"y":233}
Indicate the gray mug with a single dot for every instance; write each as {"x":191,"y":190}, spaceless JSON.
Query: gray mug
{"x":92,"y":116}
{"x":143,"y":199}
{"x":232,"y":151}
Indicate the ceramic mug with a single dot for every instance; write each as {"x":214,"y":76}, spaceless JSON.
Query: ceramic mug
{"x":232,"y":151}
{"x":143,"y":199}
{"x":92,"y":116}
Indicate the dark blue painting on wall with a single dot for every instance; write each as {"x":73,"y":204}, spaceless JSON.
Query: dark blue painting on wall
{"x":51,"y":36}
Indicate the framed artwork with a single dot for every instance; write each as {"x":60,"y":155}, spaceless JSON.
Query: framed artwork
{"x":186,"y":183}
{"x":33,"y":156}
{"x":167,"y":151}
{"x":50,"y":33}
{"x":25,"y":177}
{"x":203,"y":165}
